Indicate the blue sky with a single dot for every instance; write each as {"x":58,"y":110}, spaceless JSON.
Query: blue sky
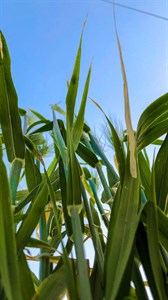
{"x":43,"y":37}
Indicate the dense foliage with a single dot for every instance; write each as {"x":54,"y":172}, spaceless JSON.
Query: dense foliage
{"x":62,"y":200}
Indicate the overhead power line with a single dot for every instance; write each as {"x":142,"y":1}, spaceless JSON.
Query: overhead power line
{"x":135,"y":9}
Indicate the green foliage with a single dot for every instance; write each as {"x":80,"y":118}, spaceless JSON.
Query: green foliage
{"x":127,"y":224}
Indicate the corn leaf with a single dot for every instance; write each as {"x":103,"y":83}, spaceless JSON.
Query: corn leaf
{"x":153,"y":245}
{"x":9,"y":114}
{"x":145,"y":173}
{"x":155,"y":113}
{"x":32,"y":217}
{"x":153,"y":122}
{"x":143,"y":252}
{"x":138,"y":282}
{"x":84,"y":284}
{"x":72,"y":90}
{"x":59,"y":141}
{"x":33,"y":176}
{"x":161,"y":171}
{"x":79,"y":122}
{"x":53,"y":287}
{"x":38,"y":115}
{"x":26,"y":281}
{"x":14,"y":177}
{"x":121,"y":234}
{"x":8,"y":259}
{"x":88,"y":156}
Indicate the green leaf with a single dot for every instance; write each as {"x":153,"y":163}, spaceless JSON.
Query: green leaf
{"x":161,"y":171}
{"x":59,"y":141}
{"x":72,"y":90}
{"x":88,"y":156}
{"x":153,"y":245}
{"x":8,"y":259}
{"x":119,"y":151}
{"x":79,"y":122}
{"x":26,"y":281}
{"x":100,"y":152}
{"x":138,"y":281}
{"x":64,"y":198}
{"x":33,"y":176}
{"x":163,"y":227}
{"x":9,"y":114}
{"x":53,"y":287}
{"x":90,"y":213}
{"x":145,"y":173}
{"x":38,"y":115}
{"x":84,"y":284}
{"x":121,"y":234}
{"x":153,"y":122}
{"x":14,"y":177}
{"x":32,"y":217}
{"x":156,"y":112}
{"x":143,"y":252}
{"x":36,"y":243}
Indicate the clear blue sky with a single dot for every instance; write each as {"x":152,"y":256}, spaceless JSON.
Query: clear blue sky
{"x":43,"y":37}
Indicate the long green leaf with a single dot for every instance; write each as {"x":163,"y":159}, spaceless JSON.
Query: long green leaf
{"x":59,"y":141}
{"x":72,"y":90}
{"x":122,"y":229}
{"x":153,"y":240}
{"x":8,"y":255}
{"x":14,"y":177}
{"x":84,"y":284}
{"x":53,"y":287}
{"x":156,"y":112}
{"x":32,"y":217}
{"x":9,"y":114}
{"x":145,"y":173}
{"x":26,"y":281}
{"x":33,"y":176}
{"x":79,"y":122}
{"x":161,"y":171}
{"x":153,"y":245}
{"x":138,"y":281}
{"x":143,"y":251}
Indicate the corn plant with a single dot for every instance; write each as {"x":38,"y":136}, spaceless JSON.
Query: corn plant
{"x":63,"y":203}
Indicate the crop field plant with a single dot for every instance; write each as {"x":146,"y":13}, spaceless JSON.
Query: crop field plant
{"x":62,"y":201}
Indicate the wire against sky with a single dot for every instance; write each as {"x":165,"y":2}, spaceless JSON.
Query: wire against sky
{"x":135,"y":9}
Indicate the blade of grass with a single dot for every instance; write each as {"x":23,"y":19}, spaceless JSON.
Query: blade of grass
{"x":27,"y":285}
{"x":119,"y":150}
{"x":33,"y":176}
{"x":79,"y":122}
{"x":155,"y":113}
{"x":32,"y":217}
{"x":14,"y":177}
{"x":8,"y":258}
{"x":72,"y":90}
{"x":161,"y":171}
{"x":59,"y":141}
{"x":84,"y":285}
{"x":121,"y":234}
{"x":95,"y":237}
{"x":153,"y":241}
{"x":9,"y":113}
{"x":53,"y":287}
{"x":68,"y":268}
{"x":138,"y":282}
